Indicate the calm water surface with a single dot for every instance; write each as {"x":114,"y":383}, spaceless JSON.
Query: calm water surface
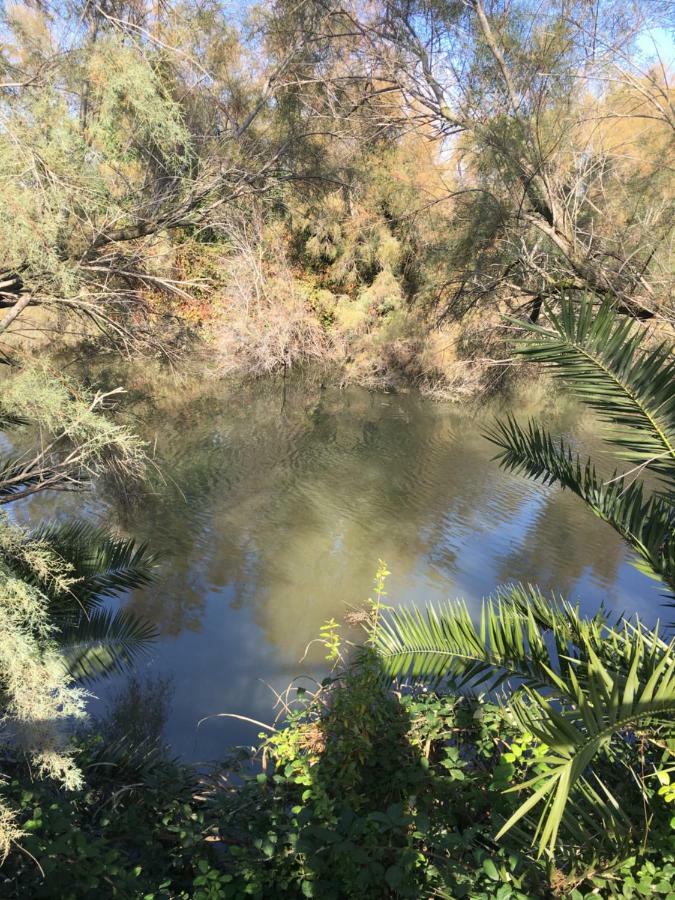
{"x":274,"y":504}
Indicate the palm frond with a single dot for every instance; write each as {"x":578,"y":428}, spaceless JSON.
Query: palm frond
{"x":601,"y":357}
{"x":578,"y":685}
{"x":445,"y":643}
{"x":551,"y":612}
{"x":104,"y":643}
{"x":647,"y":523}
{"x":104,"y":564}
{"x":609,"y":703}
{"x":10,"y":420}
{"x":129,"y":760}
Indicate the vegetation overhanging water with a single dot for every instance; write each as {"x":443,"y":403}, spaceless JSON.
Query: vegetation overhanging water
{"x":272,"y":502}
{"x":425,"y":194}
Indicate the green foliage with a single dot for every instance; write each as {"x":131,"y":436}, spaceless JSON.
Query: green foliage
{"x":53,"y":635}
{"x":105,"y":564}
{"x":582,"y":687}
{"x":601,"y":358}
{"x":73,"y":566}
{"x":103,"y":642}
{"x":37,"y":694}
{"x":367,"y":794}
{"x":361,"y":792}
{"x":136,"y":118}
{"x":70,"y":175}
{"x":52,"y":584}
{"x":76,"y":440}
{"x":136,"y":155}
{"x":112,"y":838}
{"x":645,"y":522}
{"x":76,"y":566}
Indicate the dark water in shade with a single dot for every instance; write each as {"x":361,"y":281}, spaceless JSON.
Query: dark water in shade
{"x":275,"y":503}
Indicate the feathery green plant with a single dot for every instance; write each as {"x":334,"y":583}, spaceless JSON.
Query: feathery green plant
{"x":73,"y":439}
{"x":53,"y":581}
{"x":601,"y":357}
{"x":582,"y":687}
{"x":94,"y":641}
{"x":77,"y":442}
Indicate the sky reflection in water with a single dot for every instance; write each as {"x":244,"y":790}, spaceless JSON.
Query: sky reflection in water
{"x":275,"y":505}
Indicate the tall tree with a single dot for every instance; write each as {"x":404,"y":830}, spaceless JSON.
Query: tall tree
{"x":522,"y":94}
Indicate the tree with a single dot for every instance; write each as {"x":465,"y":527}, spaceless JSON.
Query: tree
{"x":54,"y":635}
{"x":122,"y":138}
{"x":84,"y":563}
{"x":75,"y":440}
{"x":523,"y":96}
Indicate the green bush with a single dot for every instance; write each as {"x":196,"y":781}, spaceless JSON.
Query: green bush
{"x":126,"y":834}
{"x":361,"y":793}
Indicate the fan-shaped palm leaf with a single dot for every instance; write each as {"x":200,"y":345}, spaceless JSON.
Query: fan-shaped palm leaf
{"x":510,"y":641}
{"x":576,"y":685}
{"x":10,"y":420}
{"x":647,"y":523}
{"x":605,"y":705}
{"x":103,"y":564}
{"x":130,"y":761}
{"x":95,"y":642}
{"x":19,"y":480}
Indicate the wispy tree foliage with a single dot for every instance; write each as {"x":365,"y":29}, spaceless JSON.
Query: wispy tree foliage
{"x":468,"y":154}
{"x":55,"y":633}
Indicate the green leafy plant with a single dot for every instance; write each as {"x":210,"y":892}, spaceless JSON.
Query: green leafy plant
{"x":63,"y":436}
{"x":367,"y":793}
{"x":582,"y":688}
{"x":603,"y":359}
{"x":75,"y":565}
{"x":94,"y":565}
{"x":56,"y":633}
{"x":95,"y":640}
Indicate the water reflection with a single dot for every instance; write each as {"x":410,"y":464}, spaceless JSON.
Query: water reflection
{"x":272,"y":503}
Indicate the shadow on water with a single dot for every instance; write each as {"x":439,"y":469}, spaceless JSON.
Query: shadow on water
{"x":271,"y":504}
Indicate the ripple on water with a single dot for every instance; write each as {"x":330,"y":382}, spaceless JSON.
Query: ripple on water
{"x":271,"y":514}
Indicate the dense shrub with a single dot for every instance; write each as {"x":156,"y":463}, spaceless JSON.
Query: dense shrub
{"x":361,"y":793}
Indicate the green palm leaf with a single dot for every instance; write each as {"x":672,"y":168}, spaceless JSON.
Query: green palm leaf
{"x":601,"y":357}
{"x":647,"y":523}
{"x":17,"y":480}
{"x":104,"y":643}
{"x":508,"y":642}
{"x":104,"y":564}
{"x":579,"y":685}
{"x":129,"y":761}
{"x":10,"y":420}
{"x":640,"y":692}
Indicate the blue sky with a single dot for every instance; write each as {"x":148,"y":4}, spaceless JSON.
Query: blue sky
{"x":662,"y":40}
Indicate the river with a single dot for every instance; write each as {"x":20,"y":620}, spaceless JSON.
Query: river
{"x":271,"y":503}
